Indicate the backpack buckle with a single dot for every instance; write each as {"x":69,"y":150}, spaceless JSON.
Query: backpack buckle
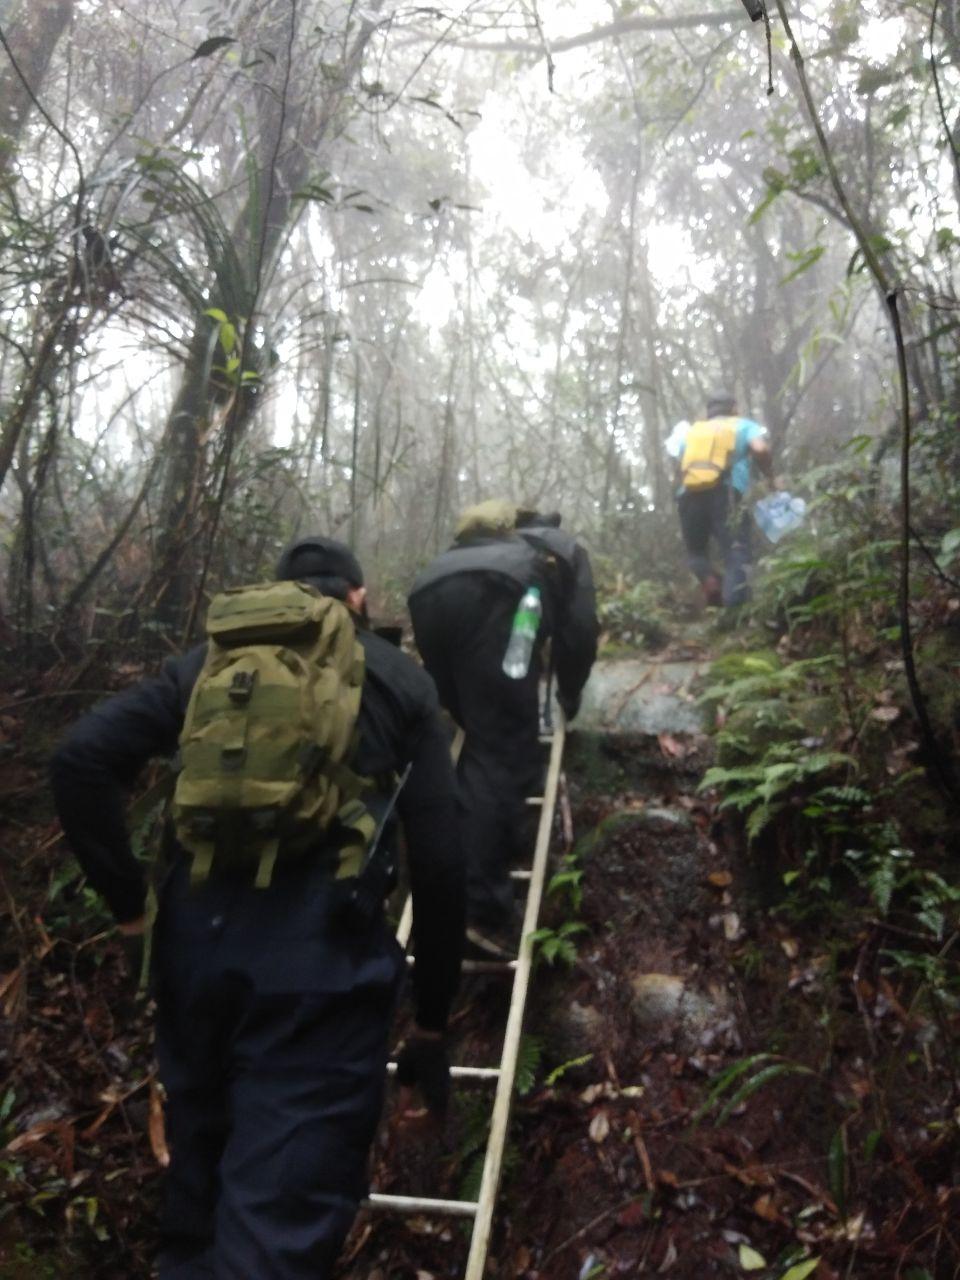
{"x":241,"y":687}
{"x":311,"y":758}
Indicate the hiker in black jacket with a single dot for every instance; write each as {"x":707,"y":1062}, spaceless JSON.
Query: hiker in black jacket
{"x":462,"y":606}
{"x":274,"y":1005}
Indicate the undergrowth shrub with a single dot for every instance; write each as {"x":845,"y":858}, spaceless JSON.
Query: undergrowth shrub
{"x":817,"y":747}
{"x":634,"y":615}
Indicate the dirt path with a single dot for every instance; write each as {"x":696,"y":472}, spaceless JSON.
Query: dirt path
{"x":688,"y":1083}
{"x":668,"y":1123}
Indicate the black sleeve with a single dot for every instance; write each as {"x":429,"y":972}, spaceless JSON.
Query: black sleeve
{"x":575,"y":637}
{"x":428,"y":809}
{"x":94,"y":768}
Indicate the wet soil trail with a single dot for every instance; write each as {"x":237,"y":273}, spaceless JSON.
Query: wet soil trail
{"x":700,"y":1092}
{"x":673,"y":1115}
{"x":616,"y":1164}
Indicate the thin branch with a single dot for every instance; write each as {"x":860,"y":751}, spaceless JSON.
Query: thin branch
{"x":624,"y":26}
{"x":544,"y":44}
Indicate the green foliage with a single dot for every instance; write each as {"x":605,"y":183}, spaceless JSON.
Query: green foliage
{"x":634,"y":615}
{"x":473,"y":1115}
{"x":837,"y":1170}
{"x":529,"y":1055}
{"x":761,"y":790}
{"x":567,"y":881}
{"x":764,"y":1067}
{"x":557,"y":1074}
{"x":802,"y":730}
{"x":474,"y":1120}
{"x":801,"y":1270}
{"x":555,"y":945}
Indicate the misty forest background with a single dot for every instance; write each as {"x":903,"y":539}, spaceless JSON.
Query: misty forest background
{"x":255,"y":281}
{"x":277,"y":267}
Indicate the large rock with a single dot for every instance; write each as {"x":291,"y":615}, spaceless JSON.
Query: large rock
{"x":667,"y":1007}
{"x":640,"y":695}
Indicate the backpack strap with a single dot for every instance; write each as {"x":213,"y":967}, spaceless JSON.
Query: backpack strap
{"x":357,"y":828}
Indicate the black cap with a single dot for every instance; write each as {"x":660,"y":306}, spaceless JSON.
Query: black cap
{"x":721,"y":403}
{"x":527,"y":518}
{"x":319,"y":558}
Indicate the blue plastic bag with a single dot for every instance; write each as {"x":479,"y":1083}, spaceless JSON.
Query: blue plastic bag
{"x":779,"y":514}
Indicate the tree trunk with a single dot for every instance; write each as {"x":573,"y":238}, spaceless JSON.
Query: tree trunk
{"x":259,"y":233}
{"x":32,"y":35}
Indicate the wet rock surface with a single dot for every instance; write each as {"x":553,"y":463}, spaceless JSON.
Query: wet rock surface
{"x":643,"y":695}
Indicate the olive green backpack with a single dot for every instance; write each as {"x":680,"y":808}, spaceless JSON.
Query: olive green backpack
{"x":269,"y":733}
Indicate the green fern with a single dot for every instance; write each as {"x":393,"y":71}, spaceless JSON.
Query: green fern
{"x":761,"y":790}
{"x":770,"y":1068}
{"x":529,"y":1055}
{"x":554,"y":945}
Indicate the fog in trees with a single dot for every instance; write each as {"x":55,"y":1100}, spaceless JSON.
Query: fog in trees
{"x":272,"y":267}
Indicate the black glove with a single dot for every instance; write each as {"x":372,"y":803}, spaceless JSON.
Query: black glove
{"x":569,"y":704}
{"x":422,"y":1064}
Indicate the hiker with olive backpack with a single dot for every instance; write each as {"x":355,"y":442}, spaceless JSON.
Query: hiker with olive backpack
{"x":714,"y":459}
{"x":301,"y":736}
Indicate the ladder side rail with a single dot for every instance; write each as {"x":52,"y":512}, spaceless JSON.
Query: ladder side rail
{"x":500,"y":1116}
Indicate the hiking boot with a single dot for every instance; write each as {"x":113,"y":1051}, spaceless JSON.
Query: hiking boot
{"x":712,"y":590}
{"x":493,"y":942}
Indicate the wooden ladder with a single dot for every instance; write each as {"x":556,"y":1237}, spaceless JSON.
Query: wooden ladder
{"x":482,"y":1209}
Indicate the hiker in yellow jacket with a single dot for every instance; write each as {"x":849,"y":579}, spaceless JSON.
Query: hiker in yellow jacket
{"x":715,"y":458}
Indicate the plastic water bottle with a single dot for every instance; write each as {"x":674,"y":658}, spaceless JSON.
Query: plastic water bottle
{"x":523,"y":634}
{"x":779,"y":514}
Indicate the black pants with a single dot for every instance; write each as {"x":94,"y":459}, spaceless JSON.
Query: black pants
{"x":462,"y":626}
{"x":719,"y":514}
{"x":272,"y":1033}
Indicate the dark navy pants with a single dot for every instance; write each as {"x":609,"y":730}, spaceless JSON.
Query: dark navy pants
{"x":462,"y":628}
{"x":272,"y":1037}
{"x":721,"y":515}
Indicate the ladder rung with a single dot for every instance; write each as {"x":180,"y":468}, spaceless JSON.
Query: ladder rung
{"x":421,"y":1204}
{"x":489,"y":966}
{"x":546,"y":737}
{"x":462,"y":1073}
{"x":520,"y":873}
{"x":534,"y":799}
{"x":482,"y":966}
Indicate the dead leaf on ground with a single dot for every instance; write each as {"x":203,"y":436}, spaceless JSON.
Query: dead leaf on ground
{"x":633,"y":1215}
{"x":669,"y":1258}
{"x":156,"y":1127}
{"x":46,"y":943}
{"x":522,"y":1260}
{"x":600,"y":1127}
{"x":670,"y":746}
{"x":765,"y":1208}
{"x":720,"y":879}
{"x":62,"y":1129}
{"x":885,"y":715}
{"x":731,"y":926}
{"x":13,"y":993}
